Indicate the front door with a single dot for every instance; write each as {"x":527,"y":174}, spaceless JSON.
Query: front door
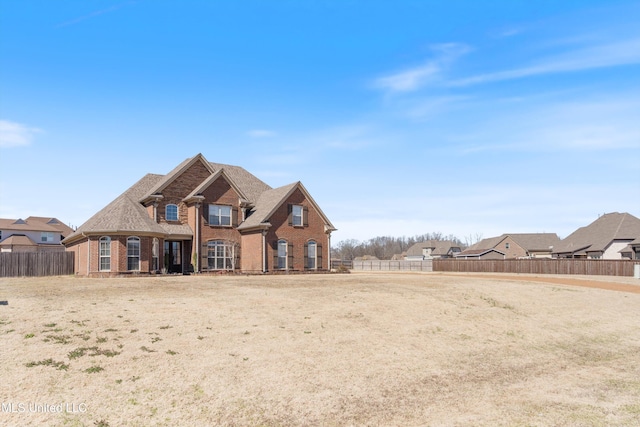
{"x":173,"y":256}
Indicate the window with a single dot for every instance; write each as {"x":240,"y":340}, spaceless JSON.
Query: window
{"x":220,"y":255}
{"x":105,"y":254}
{"x":506,"y":245}
{"x":296,"y":218}
{"x":133,"y":254}
{"x":219,"y":215}
{"x":46,"y":237}
{"x":171,"y":213}
{"x":311,"y":255}
{"x":282,"y":254}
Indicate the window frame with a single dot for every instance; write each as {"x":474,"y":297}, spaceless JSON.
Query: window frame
{"x":220,"y":255}
{"x":46,"y":236}
{"x":133,"y":253}
{"x":175,"y":217}
{"x":297,"y":216}
{"x":104,"y":253}
{"x":218,"y":215}
{"x":282,"y":254}
{"x":312,"y":261}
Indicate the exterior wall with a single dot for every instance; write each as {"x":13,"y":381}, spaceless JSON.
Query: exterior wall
{"x":296,"y":236}
{"x":180,"y":188}
{"x":221,"y":193}
{"x":491,"y":255}
{"x":87,"y":256}
{"x":613,"y":250}
{"x":252,"y":256}
{"x":513,"y":251}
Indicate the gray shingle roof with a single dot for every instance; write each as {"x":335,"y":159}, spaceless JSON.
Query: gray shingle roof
{"x":127,"y":214}
{"x":439,"y":247}
{"x":528,"y":241}
{"x":598,"y":235}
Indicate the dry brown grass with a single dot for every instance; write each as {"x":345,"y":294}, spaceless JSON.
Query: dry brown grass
{"x":334,"y":350}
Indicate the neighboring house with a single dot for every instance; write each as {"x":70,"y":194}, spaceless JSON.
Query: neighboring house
{"x":34,"y":234}
{"x":511,"y":246}
{"x":432,"y":249}
{"x":200,"y":217}
{"x":612,"y":236}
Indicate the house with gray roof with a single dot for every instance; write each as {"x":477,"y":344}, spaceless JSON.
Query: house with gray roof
{"x":612,"y":236}
{"x":34,"y":234}
{"x":204,"y":217}
{"x":431,"y":249}
{"x":514,"y":245}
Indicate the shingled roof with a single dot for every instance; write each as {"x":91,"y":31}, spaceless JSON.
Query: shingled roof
{"x":528,"y":241}
{"x":127,"y":212}
{"x":598,"y":235}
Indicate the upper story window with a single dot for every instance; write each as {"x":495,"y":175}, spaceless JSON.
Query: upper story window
{"x":297,"y":212}
{"x":171,"y":212}
{"x":219,"y":215}
{"x":506,"y":245}
{"x":46,"y":237}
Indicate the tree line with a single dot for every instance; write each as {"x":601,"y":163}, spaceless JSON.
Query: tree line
{"x":384,"y":247}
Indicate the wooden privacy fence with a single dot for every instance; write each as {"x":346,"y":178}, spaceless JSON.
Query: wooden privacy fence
{"x":387,"y":265}
{"x":596,"y":267}
{"x":19,"y":264}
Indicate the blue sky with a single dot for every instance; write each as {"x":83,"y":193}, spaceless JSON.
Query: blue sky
{"x":400,"y":117}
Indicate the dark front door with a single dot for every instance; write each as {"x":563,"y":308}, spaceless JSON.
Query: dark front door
{"x":173,"y":256}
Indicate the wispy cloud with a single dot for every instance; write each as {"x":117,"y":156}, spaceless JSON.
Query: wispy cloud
{"x":94,"y":14}
{"x":15,"y":134}
{"x":626,"y":52}
{"x":261,"y":133}
{"x":411,"y":79}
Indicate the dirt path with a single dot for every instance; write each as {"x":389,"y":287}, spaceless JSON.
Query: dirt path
{"x":606,"y":282}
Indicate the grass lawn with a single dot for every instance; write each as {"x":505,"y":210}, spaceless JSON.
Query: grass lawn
{"x":332,"y":350}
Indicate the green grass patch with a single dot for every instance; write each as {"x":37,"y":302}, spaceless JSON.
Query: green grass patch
{"x":61,"y":366}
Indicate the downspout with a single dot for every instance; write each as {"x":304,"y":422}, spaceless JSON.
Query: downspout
{"x":88,"y":252}
{"x":329,"y":251}
{"x":197,"y":231}
{"x":264,"y":251}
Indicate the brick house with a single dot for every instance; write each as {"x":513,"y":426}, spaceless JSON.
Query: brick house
{"x":34,"y":234}
{"x":204,"y":217}
{"x":613,"y":235}
{"x":509,"y":246}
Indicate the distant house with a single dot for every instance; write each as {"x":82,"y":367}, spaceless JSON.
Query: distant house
{"x":204,"y":217}
{"x":511,"y":246}
{"x":431,"y":249}
{"x":612,"y":236}
{"x":34,"y":234}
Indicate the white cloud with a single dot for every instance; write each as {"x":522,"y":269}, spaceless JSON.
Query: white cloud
{"x":15,"y":134}
{"x":261,"y":133}
{"x":613,"y":54}
{"x":414,"y":78}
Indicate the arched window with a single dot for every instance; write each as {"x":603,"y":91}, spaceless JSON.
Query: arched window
{"x":282,"y":254}
{"x":171,"y":213}
{"x":220,"y":255}
{"x":133,"y":254}
{"x":105,"y":253}
{"x":312,"y":250}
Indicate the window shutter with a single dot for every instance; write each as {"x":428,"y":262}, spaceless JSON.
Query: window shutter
{"x":234,"y":216}
{"x":306,"y":256}
{"x":305,"y":216}
{"x":290,"y":213}
{"x":318,"y":256}
{"x":290,"y":255}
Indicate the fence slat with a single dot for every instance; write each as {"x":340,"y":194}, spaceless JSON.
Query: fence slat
{"x":32,"y":264}
{"x":595,"y":267}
